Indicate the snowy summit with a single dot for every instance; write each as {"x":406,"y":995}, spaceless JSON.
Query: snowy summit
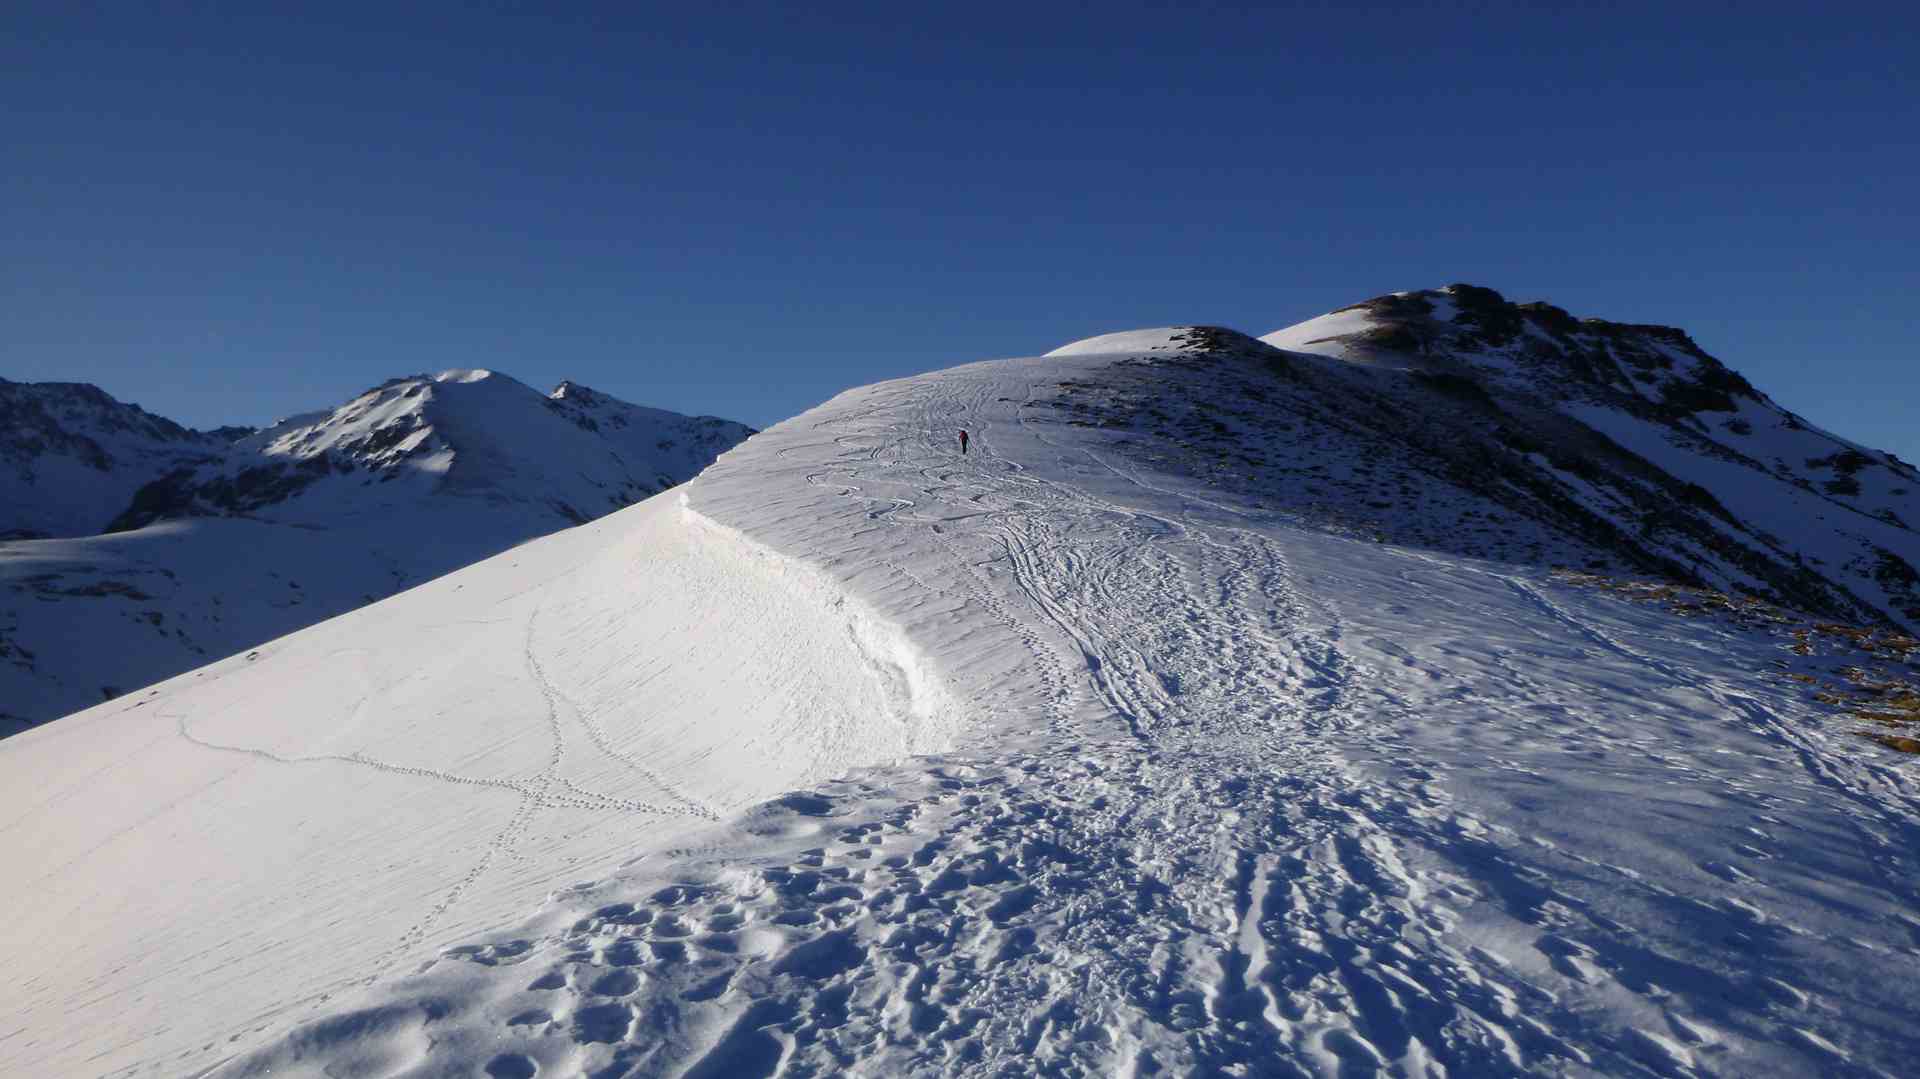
{"x":1445,"y":686}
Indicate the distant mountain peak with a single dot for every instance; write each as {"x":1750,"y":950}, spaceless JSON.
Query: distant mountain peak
{"x":466,"y":432}
{"x":402,"y":482}
{"x":74,"y":461}
{"x":71,"y":455}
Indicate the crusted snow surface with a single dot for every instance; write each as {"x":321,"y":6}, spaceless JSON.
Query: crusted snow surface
{"x":1236,"y":797}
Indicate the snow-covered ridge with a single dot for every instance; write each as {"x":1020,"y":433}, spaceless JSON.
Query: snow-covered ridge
{"x":1236,"y":780}
{"x":1124,"y":342}
{"x":1455,"y":419}
{"x":220,"y":541}
{"x":1241,"y":797}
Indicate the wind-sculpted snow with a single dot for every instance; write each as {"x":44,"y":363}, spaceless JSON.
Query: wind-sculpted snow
{"x":1240,"y":797}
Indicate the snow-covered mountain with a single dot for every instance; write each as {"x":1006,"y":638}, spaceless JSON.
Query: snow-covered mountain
{"x":1128,"y":742}
{"x":1457,"y":420}
{"x":71,"y":457}
{"x":174,"y":547}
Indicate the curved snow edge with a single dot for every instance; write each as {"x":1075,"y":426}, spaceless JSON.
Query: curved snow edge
{"x":927,"y":716}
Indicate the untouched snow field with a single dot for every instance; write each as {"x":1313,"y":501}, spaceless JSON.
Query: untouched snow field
{"x":858,"y":755}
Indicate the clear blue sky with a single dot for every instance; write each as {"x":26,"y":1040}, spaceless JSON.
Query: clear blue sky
{"x":227,"y":216}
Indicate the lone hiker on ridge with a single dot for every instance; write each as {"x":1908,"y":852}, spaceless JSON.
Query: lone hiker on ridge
{"x":963,"y":443}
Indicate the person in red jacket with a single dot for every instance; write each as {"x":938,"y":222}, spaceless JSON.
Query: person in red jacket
{"x":963,"y":442}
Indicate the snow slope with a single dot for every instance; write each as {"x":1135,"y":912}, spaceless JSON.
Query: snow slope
{"x":244,"y":841}
{"x":234,"y":544}
{"x":1204,"y":787}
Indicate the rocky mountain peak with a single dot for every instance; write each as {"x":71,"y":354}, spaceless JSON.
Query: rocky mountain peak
{"x":71,"y":455}
{"x":569,"y":390}
{"x":79,"y":419}
{"x":1456,"y":419}
{"x":1656,"y":370}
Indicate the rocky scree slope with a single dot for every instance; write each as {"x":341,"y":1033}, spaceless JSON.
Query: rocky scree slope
{"x":142,"y":548}
{"x":1455,"y":420}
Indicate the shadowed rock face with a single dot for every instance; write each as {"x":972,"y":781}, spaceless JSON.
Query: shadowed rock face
{"x":70,"y":456}
{"x":69,"y":417}
{"x":1592,"y":355}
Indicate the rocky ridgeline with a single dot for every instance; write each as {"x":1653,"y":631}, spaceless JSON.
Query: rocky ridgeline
{"x":1457,"y":420}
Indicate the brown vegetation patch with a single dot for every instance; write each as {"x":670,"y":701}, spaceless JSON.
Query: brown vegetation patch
{"x":1865,"y":673}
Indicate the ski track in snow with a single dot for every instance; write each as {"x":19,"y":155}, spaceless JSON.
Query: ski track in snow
{"x":545,"y":791}
{"x":1217,"y":852}
{"x":534,"y":791}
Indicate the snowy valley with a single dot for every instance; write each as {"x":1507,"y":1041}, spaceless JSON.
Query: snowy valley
{"x":1233,"y":706}
{"x":132,"y":548}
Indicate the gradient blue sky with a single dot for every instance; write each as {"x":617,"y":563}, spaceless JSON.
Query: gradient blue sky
{"x":742,"y":209}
